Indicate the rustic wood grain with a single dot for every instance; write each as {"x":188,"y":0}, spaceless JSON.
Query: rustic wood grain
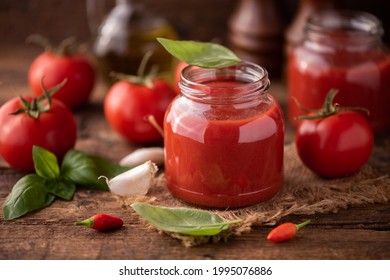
{"x":50,"y":234}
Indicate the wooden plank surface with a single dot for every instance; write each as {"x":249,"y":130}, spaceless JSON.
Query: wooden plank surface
{"x":354,"y":233}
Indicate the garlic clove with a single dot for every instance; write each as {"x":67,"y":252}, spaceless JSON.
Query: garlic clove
{"x":137,"y":180}
{"x":139,"y":156}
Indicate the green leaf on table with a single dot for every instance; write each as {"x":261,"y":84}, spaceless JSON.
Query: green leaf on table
{"x":206,"y":55}
{"x":46,"y":164}
{"x":61,"y":188}
{"x":183,"y":220}
{"x":28,"y":194}
{"x":84,"y":169}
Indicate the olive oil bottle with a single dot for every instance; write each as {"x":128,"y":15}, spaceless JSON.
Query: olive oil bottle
{"x":127,"y":33}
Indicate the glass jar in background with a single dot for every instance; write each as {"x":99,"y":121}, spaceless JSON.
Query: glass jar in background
{"x":342,"y":50}
{"x":224,"y":137}
{"x":295,"y":31}
{"x":124,"y":35}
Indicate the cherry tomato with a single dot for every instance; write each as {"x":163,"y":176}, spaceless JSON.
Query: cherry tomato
{"x":54,"y":130}
{"x":54,"y":67}
{"x":335,"y":146}
{"x":127,"y":106}
{"x":176,"y":75}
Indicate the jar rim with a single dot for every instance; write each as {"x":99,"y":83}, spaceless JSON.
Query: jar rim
{"x":252,"y":81}
{"x":352,"y":22}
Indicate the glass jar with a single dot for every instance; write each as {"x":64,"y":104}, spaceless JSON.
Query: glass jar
{"x":224,"y":137}
{"x":342,"y":50}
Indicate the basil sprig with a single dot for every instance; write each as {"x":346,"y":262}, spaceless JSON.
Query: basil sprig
{"x":183,"y":220}
{"x":205,"y":55}
{"x":36,"y":191}
{"x":28,"y":194}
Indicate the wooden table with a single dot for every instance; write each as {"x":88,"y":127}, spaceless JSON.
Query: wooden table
{"x":355,"y":233}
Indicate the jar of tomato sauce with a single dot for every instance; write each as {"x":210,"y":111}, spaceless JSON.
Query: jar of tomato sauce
{"x":342,"y":50}
{"x":224,"y":137}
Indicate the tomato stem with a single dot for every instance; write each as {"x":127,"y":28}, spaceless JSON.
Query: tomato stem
{"x":328,"y":108}
{"x":141,"y":78}
{"x":41,"y":41}
{"x":36,"y":106}
{"x":144,"y":62}
{"x":46,"y":94}
{"x":67,"y":47}
{"x":152,"y":120}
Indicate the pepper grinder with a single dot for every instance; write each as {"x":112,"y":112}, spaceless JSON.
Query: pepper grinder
{"x":256,"y":31}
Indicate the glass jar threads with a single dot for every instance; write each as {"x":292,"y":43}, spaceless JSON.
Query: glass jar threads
{"x":342,"y":50}
{"x":224,"y":137}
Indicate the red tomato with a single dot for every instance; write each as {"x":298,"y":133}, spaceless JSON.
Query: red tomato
{"x":54,"y":130}
{"x":127,"y":105}
{"x":176,"y":75}
{"x":335,"y":146}
{"x":54,"y":68}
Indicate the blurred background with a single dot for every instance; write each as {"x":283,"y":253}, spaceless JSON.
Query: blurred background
{"x":193,"y":19}
{"x":251,"y":27}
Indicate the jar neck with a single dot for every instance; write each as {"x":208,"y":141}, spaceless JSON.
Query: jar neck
{"x":352,"y":29}
{"x":241,"y":83}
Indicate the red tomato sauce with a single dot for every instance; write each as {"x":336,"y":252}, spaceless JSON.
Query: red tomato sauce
{"x":364,"y":84}
{"x":223,"y":156}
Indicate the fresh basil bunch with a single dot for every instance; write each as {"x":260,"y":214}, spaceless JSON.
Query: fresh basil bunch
{"x":39,"y":190}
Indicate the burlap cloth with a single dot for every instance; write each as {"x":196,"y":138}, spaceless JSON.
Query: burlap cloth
{"x":303,"y":193}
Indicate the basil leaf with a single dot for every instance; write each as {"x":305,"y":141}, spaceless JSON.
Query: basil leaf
{"x":84,"y":169}
{"x":28,"y":194}
{"x":206,"y":55}
{"x":63,"y":189}
{"x":46,"y":164}
{"x":183,"y":220}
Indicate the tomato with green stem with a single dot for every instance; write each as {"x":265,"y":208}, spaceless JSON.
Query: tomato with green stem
{"x":28,"y":121}
{"x":334,"y":142}
{"x":132,"y":100}
{"x":57,"y":64}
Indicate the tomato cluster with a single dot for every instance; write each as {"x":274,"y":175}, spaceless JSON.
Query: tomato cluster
{"x":61,"y":79}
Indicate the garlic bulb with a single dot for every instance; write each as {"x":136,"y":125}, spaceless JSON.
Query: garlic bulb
{"x":137,"y":180}
{"x":139,"y":156}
